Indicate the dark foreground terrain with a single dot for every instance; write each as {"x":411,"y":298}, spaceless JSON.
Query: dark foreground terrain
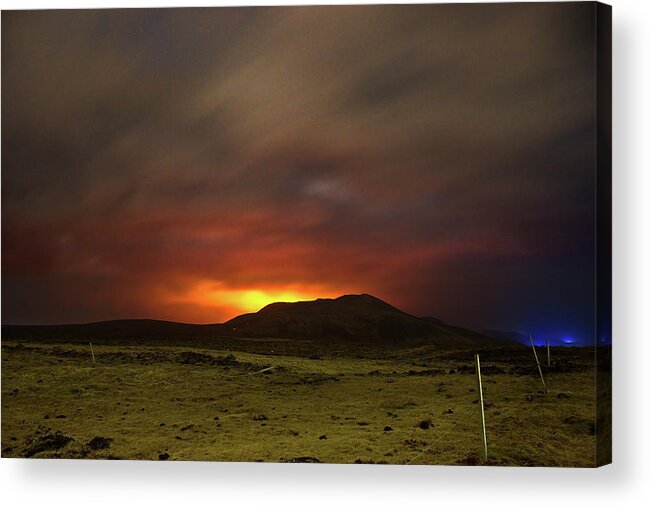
{"x":275,"y":400}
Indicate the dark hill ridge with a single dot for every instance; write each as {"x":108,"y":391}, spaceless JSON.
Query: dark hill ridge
{"x":117,"y":330}
{"x":349,"y":304}
{"x":356,"y":318}
{"x":512,"y":336}
{"x":351,"y":318}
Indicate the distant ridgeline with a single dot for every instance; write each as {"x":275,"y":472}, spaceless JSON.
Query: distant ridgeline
{"x":513,"y":336}
{"x":352,"y":318}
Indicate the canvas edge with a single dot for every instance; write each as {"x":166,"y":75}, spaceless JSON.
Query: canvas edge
{"x":603,"y":234}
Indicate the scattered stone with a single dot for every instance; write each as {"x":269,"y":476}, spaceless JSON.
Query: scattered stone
{"x":49,"y":442}
{"x":424,"y":425}
{"x":362,"y":423}
{"x":388,"y":428}
{"x":229,"y":359}
{"x":46,"y":416}
{"x":61,"y":416}
{"x":528,"y":397}
{"x":303,"y":459}
{"x":260,"y":417}
{"x":188,"y":427}
{"x":563,"y":396}
{"x":162,"y":424}
{"x":323,"y":437}
{"x":449,"y":411}
{"x":469,"y":460}
{"x":163,"y":456}
{"x":98,"y":443}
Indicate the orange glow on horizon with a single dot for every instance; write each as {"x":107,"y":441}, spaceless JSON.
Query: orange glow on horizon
{"x":246,"y":300}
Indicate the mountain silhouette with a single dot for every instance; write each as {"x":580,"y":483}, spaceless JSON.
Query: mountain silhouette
{"x":357,"y":318}
{"x":351,"y":318}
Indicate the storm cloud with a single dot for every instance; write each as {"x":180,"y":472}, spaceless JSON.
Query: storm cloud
{"x":439,"y":157}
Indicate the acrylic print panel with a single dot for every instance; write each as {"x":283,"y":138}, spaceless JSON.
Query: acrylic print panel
{"x":345,"y":234}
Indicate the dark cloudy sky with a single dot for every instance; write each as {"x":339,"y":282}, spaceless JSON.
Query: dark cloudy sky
{"x":192,"y":164}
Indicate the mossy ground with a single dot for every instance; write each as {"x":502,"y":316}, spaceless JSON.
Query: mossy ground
{"x":173,"y":403}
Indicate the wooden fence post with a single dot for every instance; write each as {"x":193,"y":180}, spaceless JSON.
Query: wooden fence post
{"x":481,"y":407}
{"x":92,"y":353}
{"x":533,"y":347}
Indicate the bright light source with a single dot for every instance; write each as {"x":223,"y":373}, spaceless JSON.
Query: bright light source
{"x":216,"y":294}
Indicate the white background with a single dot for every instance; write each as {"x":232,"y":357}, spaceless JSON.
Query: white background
{"x":627,"y":481}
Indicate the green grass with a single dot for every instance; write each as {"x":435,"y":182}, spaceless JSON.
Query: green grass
{"x":151,"y":404}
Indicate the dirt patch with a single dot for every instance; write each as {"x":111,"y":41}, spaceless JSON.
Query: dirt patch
{"x":48,"y":442}
{"x":148,"y":357}
{"x":99,"y":443}
{"x":205,"y":359}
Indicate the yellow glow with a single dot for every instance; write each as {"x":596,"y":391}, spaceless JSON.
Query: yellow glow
{"x":214,"y":294}
{"x":252,"y":300}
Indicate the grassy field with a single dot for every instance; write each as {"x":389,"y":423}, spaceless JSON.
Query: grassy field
{"x":415,"y":406}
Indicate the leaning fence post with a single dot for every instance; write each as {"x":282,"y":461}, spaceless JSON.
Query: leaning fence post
{"x":92,"y":353}
{"x":549,"y":356}
{"x":533,"y":347}
{"x":481,"y":407}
